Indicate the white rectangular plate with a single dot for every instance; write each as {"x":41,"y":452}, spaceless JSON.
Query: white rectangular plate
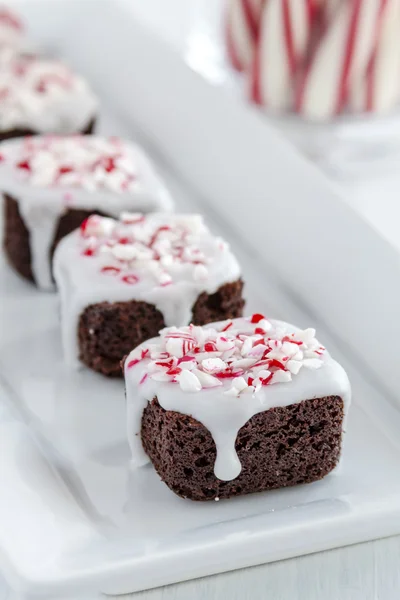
{"x":72,"y":515}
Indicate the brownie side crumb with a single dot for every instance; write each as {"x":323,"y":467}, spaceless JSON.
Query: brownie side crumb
{"x":16,"y":239}
{"x":280,"y":447}
{"x":16,"y":235}
{"x":226,"y":303}
{"x":19,"y":132}
{"x":109,"y":331}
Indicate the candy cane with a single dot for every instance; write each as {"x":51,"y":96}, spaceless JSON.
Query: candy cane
{"x":379,"y":90}
{"x":341,"y":56}
{"x":315,"y":6}
{"x":242,"y":27}
{"x":284,"y":35}
{"x":329,"y":9}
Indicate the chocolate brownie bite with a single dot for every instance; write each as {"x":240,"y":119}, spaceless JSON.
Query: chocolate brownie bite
{"x":42,"y":95}
{"x":235,"y":407}
{"x":121,"y":281}
{"x":52,"y":183}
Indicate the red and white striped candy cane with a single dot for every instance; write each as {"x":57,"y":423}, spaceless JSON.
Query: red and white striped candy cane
{"x":284,"y":36}
{"x":242,"y":28}
{"x":379,"y":89}
{"x":341,"y":56}
{"x":329,"y":9}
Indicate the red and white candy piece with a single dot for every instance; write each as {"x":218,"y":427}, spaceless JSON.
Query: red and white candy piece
{"x":284,"y":36}
{"x":198,"y":358}
{"x":340,"y":58}
{"x":161,"y":247}
{"x":378,"y":90}
{"x":82,"y":161}
{"x":242,"y":29}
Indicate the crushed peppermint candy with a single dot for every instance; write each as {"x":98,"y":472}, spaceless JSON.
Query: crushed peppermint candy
{"x":162,"y":246}
{"x":89,"y":162}
{"x":31,"y":86}
{"x":250,"y":353}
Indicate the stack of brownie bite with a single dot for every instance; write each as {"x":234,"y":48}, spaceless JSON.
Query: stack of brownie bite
{"x":221,"y":404}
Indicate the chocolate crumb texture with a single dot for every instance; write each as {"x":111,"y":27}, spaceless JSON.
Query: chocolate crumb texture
{"x":277,"y":448}
{"x":109,"y":331}
{"x":16,"y":133}
{"x":16,"y":235}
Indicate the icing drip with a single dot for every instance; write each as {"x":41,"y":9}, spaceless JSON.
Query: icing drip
{"x":225,"y":373}
{"x":49,"y":174}
{"x":43,"y":95}
{"x":163,"y":259}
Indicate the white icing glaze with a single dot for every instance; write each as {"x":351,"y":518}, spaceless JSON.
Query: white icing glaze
{"x":165,"y":259}
{"x":43,"y":194}
{"x":44,"y":95}
{"x":226,"y":407}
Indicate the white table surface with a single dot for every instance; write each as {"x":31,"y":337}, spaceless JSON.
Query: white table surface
{"x":368,"y":571}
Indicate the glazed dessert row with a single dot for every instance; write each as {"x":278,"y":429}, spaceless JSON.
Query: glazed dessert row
{"x":221,"y":405}
{"x":233,"y":407}
{"x":239,"y":406}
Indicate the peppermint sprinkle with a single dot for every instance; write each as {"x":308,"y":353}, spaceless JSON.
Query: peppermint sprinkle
{"x":32,"y":86}
{"x":166,"y":248}
{"x":77,"y":161}
{"x":199,"y":358}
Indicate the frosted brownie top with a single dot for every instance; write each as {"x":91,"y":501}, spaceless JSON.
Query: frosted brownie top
{"x":43,"y":95}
